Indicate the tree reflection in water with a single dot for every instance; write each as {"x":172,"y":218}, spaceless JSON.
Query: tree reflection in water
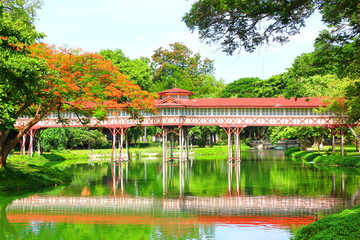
{"x":192,"y":199}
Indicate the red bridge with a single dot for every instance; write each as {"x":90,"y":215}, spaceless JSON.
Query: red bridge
{"x":177,"y":112}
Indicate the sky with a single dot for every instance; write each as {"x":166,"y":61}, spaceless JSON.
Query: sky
{"x":138,"y":27}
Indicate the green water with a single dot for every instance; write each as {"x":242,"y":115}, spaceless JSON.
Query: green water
{"x":265,"y":196}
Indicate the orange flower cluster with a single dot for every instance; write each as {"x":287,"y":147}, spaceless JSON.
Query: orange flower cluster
{"x":88,"y":82}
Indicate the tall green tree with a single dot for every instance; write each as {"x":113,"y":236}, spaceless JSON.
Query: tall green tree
{"x":274,"y":86}
{"x":20,"y":74}
{"x":241,"y":88}
{"x":210,"y":87}
{"x":249,"y":24}
{"x":138,"y":70}
{"x":180,"y":67}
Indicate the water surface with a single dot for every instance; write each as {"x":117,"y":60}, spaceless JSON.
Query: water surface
{"x":265,"y":196}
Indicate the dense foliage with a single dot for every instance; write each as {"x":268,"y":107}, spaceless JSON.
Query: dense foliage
{"x":243,"y":87}
{"x":250,"y":24}
{"x":138,"y":70}
{"x":179,"y":67}
{"x":290,"y":151}
{"x":20,"y":74}
{"x":344,"y":161}
{"x":344,"y":225}
{"x":70,"y":138}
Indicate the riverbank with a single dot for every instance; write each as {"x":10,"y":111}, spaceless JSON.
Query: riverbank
{"x":30,"y":177}
{"x":344,"y":225}
{"x":327,"y":158}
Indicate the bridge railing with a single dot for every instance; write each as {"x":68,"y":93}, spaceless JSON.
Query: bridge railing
{"x":187,"y":121}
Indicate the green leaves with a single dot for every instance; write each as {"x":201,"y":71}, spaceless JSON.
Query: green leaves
{"x":69,"y":138}
{"x":244,"y":87}
{"x":247,"y":25}
{"x":20,"y":75}
{"x":138,"y":70}
{"x":180,"y":67}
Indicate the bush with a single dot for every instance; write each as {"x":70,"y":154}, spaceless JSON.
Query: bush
{"x":201,"y":142}
{"x":344,"y":225}
{"x":338,"y":160}
{"x":289,"y":151}
{"x":311,"y":156}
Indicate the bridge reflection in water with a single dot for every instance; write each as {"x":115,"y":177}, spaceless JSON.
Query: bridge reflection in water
{"x":233,"y":203}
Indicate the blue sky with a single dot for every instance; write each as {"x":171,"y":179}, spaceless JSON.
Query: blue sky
{"x":138,"y":27}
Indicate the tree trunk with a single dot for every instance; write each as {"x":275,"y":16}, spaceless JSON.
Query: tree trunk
{"x":303,"y":143}
{"x":3,"y":158}
{"x":6,"y":146}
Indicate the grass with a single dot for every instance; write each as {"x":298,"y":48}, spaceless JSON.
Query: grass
{"x":326,"y":157}
{"x":344,"y":225}
{"x":30,"y":177}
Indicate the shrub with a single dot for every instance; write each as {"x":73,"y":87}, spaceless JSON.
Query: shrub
{"x":338,"y":160}
{"x":311,"y":156}
{"x":289,"y":151}
{"x":344,"y":225}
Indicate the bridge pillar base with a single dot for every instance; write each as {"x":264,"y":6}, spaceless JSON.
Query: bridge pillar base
{"x":168,"y":143}
{"x":121,"y":156}
{"x":234,"y":156}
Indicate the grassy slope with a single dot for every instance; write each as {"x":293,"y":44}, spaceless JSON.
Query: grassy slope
{"x":344,"y":225}
{"x":352,"y":158}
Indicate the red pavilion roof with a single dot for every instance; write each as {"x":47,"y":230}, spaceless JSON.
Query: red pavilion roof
{"x":308,"y":102}
{"x":175,"y":91}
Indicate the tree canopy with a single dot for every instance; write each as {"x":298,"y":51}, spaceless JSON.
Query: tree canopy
{"x":179,"y":67}
{"x":138,"y":70}
{"x":249,"y":24}
{"x":241,"y":88}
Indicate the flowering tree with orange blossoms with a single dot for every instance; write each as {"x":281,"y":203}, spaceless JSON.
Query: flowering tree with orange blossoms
{"x":75,"y":81}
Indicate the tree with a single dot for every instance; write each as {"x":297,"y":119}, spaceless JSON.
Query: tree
{"x":78,"y":82}
{"x":302,"y":133}
{"x":24,"y":9}
{"x":210,"y":87}
{"x":250,"y":24}
{"x":275,"y":86}
{"x":138,"y":70}
{"x":179,"y":67}
{"x":241,"y":88}
{"x":70,"y":138}
{"x":20,"y":74}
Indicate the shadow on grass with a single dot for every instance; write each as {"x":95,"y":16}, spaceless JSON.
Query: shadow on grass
{"x":53,"y":157}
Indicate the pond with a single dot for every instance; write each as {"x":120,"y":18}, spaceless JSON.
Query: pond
{"x":265,"y":196}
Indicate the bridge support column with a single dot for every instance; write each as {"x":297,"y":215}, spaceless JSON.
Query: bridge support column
{"x":31,"y":134}
{"x":230,"y":131}
{"x":333,"y":139}
{"x":121,"y":132}
{"x":183,"y":144}
{"x":342,"y":142}
{"x":23,"y":143}
{"x":168,"y":143}
{"x":164,"y":143}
